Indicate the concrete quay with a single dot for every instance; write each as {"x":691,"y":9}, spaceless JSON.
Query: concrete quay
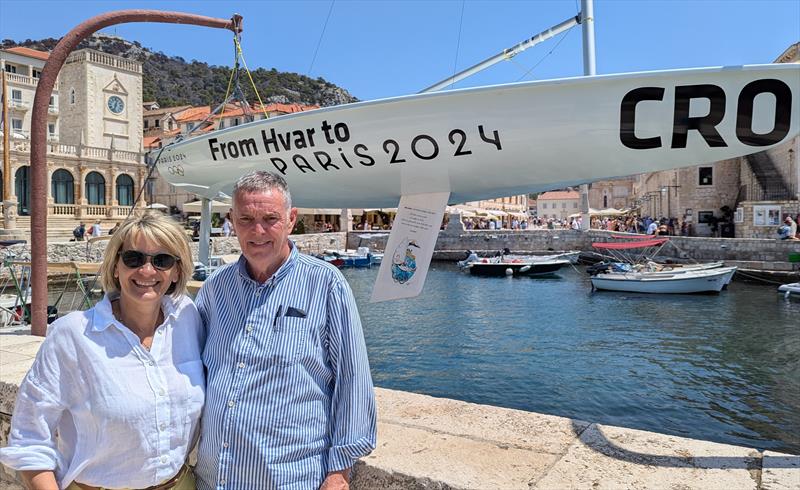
{"x":436,"y":443}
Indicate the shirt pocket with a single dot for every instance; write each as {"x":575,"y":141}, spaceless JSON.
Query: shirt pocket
{"x":291,"y":336}
{"x":193,"y":378}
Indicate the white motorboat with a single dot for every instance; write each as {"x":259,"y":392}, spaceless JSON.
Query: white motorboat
{"x":792,"y":289}
{"x":697,"y":281}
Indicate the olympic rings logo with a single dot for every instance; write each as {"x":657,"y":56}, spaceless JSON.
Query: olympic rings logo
{"x":176,"y":170}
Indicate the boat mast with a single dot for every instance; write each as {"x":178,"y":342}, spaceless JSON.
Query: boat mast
{"x":589,"y":69}
{"x":509,"y":53}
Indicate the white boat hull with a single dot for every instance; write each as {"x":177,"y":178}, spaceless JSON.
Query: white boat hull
{"x":792,"y":289}
{"x":701,"y":281}
{"x":502,"y":140}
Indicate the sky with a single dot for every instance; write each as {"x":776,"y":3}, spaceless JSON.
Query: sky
{"x":378,"y":49}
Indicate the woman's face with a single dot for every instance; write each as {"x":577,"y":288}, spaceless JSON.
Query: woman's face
{"x":145,"y":284}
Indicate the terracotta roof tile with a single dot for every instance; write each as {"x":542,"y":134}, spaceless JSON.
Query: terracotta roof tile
{"x":31,"y":53}
{"x":193,"y":114}
{"x":150,"y":141}
{"x":554,"y":195}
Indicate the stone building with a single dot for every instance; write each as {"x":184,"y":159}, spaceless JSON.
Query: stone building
{"x":558,"y":204}
{"x":611,"y":193}
{"x":95,"y":163}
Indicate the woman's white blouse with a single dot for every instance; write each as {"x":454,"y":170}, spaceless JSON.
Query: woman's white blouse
{"x":99,"y":409}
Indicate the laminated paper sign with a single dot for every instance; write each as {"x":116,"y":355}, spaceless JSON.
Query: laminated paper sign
{"x":409,"y":249}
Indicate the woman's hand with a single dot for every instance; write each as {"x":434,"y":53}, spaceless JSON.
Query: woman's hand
{"x":39,"y":479}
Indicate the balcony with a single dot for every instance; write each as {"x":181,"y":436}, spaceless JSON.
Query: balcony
{"x":21,"y":79}
{"x":18,"y":105}
{"x":52,"y":110}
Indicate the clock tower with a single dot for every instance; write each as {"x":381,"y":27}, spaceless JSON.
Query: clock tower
{"x":100,"y":96}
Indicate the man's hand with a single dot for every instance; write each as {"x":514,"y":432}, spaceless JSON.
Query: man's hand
{"x":337,"y":480}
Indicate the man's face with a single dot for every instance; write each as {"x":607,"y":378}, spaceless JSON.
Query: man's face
{"x":263,"y":224}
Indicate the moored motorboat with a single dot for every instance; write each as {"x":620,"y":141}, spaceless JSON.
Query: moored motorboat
{"x":697,"y":281}
{"x":515,"y":267}
{"x":788,"y":290}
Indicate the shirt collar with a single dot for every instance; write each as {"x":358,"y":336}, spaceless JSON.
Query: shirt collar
{"x":103,"y":315}
{"x":284,"y":269}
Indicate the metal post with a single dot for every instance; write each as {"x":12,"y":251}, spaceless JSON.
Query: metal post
{"x":589,"y":69}
{"x":587,"y":25}
{"x":505,"y":54}
{"x":6,"y":152}
{"x":41,"y":101}
{"x":205,"y":230}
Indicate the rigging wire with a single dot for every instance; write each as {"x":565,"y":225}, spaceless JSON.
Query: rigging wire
{"x":458,"y":41}
{"x":563,"y":36}
{"x":321,"y":35}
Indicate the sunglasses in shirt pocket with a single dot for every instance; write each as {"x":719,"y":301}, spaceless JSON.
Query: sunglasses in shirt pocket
{"x":291,"y":338}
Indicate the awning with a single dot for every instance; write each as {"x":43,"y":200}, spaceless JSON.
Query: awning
{"x":629,"y":245}
{"x":335,"y":211}
{"x":216,"y":207}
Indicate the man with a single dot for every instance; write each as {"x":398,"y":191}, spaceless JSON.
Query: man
{"x":652,"y":228}
{"x":789,"y":229}
{"x":289,"y":397}
{"x":79,"y":232}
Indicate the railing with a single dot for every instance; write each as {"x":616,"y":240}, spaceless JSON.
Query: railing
{"x":94,"y":210}
{"x":755,"y":191}
{"x":18,"y":104}
{"x":94,"y":152}
{"x":127,"y":156}
{"x":22,"y":79}
{"x":20,"y":142}
{"x":52,"y":109}
{"x":105,"y":59}
{"x":121,"y":211}
{"x":62,"y":209}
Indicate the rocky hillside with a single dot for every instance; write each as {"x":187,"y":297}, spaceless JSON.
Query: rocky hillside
{"x":171,"y":80}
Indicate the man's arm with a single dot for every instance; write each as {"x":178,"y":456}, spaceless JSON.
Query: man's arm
{"x":353,"y":424}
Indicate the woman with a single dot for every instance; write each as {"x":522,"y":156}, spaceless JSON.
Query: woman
{"x":114,"y":396}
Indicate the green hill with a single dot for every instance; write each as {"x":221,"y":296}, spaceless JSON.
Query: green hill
{"x":172,"y":81}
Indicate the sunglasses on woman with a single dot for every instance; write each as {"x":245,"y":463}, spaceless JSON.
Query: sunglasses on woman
{"x":133,"y":259}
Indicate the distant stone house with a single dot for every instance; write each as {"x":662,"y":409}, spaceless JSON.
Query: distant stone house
{"x":558,"y":204}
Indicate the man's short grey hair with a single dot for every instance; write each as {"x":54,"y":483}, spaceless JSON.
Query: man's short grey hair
{"x":263,"y":181}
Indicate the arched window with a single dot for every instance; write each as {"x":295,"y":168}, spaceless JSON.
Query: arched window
{"x":95,"y":189}
{"x":72,"y":96}
{"x":605,"y":201}
{"x":125,"y":190}
{"x":62,"y":187}
{"x":22,"y":187}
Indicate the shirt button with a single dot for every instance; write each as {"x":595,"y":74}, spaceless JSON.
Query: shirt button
{"x":159,"y":331}
{"x":231,"y":403}
{"x":151,"y":363}
{"x":222,"y":482}
{"x":241,"y":365}
{"x":162,"y":426}
{"x":161,"y":392}
{"x":164,"y":459}
{"x":249,"y":328}
{"x":225,"y":444}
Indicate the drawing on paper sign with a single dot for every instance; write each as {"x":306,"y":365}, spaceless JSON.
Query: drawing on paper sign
{"x":404,"y":262}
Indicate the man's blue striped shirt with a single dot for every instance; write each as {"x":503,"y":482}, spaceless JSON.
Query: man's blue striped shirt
{"x":289,"y":395}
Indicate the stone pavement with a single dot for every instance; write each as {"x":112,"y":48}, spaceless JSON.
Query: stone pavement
{"x":437,"y":443}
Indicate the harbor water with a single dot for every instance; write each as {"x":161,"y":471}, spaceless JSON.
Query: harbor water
{"x":723,"y":368}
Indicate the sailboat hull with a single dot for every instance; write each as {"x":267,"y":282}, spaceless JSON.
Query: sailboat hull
{"x":501,"y":140}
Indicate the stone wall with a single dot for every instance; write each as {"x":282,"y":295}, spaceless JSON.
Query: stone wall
{"x":770,"y":254}
{"x":88,"y":252}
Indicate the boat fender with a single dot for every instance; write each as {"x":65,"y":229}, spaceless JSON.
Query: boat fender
{"x":509,"y":271}
{"x":525,"y":268}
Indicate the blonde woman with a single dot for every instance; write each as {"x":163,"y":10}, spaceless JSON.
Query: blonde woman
{"x":114,"y":396}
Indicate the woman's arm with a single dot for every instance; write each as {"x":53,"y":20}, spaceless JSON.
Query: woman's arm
{"x":39,"y":479}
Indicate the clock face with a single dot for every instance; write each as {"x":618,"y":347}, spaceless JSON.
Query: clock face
{"x":115,"y":104}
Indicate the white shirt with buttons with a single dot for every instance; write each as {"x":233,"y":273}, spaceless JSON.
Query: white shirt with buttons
{"x":125,"y":416}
